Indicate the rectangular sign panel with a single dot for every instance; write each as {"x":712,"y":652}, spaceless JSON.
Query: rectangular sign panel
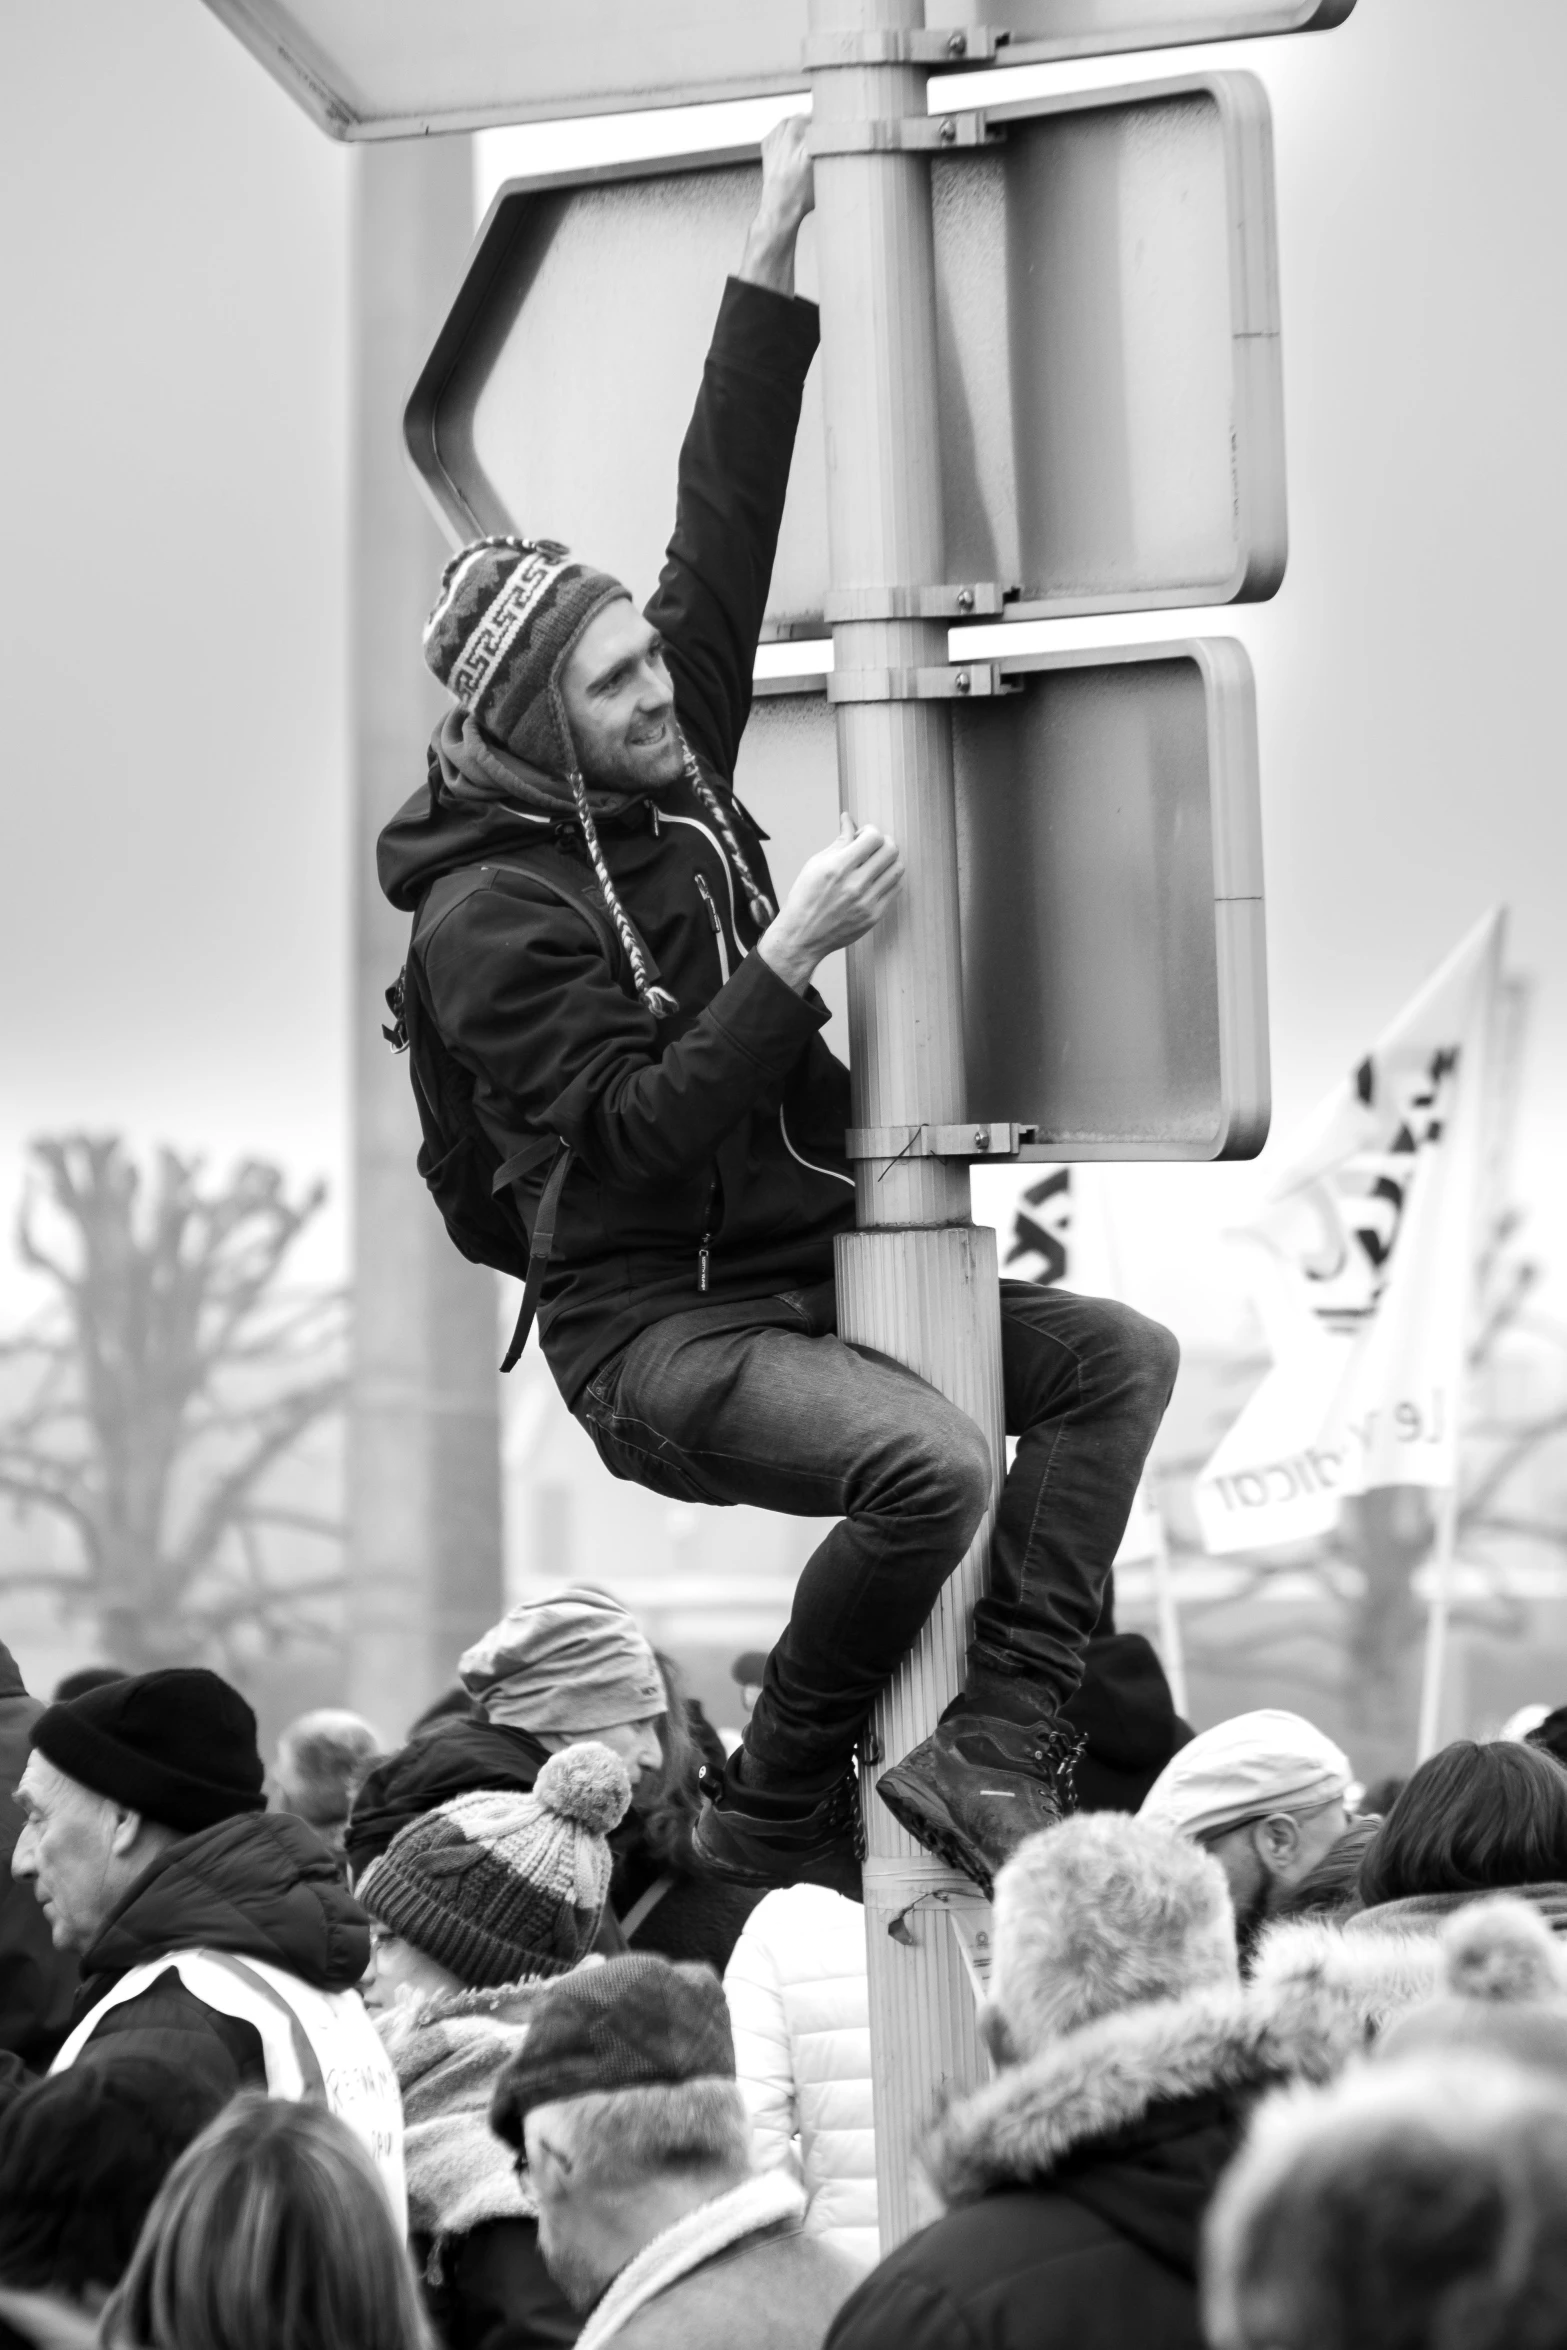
{"x":1110,"y":864}
{"x":1110,"y":868}
{"x":1108,"y":338}
{"x":368,"y":69}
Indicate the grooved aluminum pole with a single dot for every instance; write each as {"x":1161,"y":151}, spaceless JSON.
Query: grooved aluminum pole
{"x":916,"y":1281}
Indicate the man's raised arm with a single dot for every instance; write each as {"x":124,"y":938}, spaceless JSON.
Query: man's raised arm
{"x":734,"y":466}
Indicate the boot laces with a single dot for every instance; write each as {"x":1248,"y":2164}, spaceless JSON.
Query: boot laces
{"x":1061,"y":1750}
{"x":846,"y":1814}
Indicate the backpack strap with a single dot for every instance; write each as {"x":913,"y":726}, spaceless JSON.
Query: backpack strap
{"x":564,"y":878}
{"x":511,"y":1171}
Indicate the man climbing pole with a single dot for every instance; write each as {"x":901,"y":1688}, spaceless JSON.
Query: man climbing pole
{"x":626,"y":1023}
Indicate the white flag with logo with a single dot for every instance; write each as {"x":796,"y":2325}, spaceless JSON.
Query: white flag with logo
{"x":1367,"y":1257}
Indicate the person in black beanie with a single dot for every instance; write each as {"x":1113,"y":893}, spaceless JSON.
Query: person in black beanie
{"x":208,"y":1928}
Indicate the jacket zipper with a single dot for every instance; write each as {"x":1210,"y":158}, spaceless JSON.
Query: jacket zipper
{"x":718,"y":929}
{"x":704,"y":1254}
{"x":723,"y":862}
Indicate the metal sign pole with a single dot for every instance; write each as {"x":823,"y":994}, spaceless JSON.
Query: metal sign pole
{"x":916,"y":1281}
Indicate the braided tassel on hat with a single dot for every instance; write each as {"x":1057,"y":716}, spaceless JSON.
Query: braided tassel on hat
{"x":762,"y":908}
{"x":658,"y":1000}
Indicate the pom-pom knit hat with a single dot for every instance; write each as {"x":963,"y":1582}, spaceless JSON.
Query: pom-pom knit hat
{"x":500,"y":1888}
{"x":1504,"y":1991}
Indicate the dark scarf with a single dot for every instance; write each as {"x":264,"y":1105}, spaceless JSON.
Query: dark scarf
{"x":478,"y":772}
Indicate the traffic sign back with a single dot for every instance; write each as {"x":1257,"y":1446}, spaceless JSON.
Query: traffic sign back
{"x":376,"y":69}
{"x":1107,"y":318}
{"x":1110,"y":874}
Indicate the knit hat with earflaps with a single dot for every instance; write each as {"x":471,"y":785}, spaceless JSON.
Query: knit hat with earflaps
{"x":508,"y":615}
{"x":500,"y":1888}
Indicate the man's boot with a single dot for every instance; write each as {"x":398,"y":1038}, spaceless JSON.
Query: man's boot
{"x":978,"y":1785}
{"x":778,"y":1842}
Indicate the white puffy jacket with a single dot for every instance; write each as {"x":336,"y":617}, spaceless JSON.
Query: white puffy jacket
{"x":799,"y":2006}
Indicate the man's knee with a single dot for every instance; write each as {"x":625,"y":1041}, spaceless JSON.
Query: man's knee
{"x":965,"y":1476}
{"x":942,"y":1477}
{"x":1145,"y":1357}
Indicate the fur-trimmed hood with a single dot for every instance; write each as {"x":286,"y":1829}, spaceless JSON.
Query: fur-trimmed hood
{"x":1328,"y":1992}
{"x":1315,"y":1999}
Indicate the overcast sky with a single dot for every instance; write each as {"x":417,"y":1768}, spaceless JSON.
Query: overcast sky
{"x":173,"y":250}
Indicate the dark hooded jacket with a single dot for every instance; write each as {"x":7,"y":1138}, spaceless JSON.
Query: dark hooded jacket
{"x":1124,"y":1710}
{"x":1076,"y":2183}
{"x":37,"y":1982}
{"x":458,"y":1754}
{"x":727,"y":1119}
{"x":261,"y":1886}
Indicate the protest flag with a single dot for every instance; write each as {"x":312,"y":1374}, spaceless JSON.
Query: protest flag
{"x":1365,"y":1259}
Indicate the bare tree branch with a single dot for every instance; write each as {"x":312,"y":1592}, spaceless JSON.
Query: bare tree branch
{"x":173,"y":1376}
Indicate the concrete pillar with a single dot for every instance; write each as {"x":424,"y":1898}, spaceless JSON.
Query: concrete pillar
{"x":424,"y":1489}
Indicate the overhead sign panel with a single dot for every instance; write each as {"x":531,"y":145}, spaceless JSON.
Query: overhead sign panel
{"x":1107,"y":321}
{"x":1110,"y":870}
{"x":377,"y":69}
{"x":1039,"y":30}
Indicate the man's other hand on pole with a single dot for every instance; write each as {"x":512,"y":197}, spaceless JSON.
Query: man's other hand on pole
{"x":838,"y":895}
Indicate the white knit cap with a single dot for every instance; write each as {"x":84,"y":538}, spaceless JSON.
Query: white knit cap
{"x":1240,"y":1770}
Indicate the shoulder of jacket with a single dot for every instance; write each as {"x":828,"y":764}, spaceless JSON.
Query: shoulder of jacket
{"x":907,"y":2302}
{"x":726,"y":2287}
{"x":549,"y":897}
{"x":817,"y":1940}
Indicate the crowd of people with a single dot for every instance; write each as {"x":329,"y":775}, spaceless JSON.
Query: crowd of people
{"x":459,"y":2045}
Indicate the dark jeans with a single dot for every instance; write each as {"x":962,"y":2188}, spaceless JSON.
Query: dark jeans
{"x":762,"y":1402}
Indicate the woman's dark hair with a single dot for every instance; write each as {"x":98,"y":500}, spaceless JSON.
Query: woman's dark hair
{"x":82,"y":2154}
{"x":1474,"y":1819}
{"x":669,"y":1812}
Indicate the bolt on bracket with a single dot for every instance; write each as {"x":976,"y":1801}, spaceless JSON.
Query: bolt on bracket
{"x":972,"y":45}
{"x":982,"y":599}
{"x":975,"y":681}
{"x":978,"y":1139}
{"x":909,"y":134}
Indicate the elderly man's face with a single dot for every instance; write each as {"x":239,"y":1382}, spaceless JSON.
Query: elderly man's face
{"x":579,"y":2253}
{"x":1263,"y":1857}
{"x":69,"y":1852}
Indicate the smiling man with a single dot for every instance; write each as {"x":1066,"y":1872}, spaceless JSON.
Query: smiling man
{"x":628,"y":1031}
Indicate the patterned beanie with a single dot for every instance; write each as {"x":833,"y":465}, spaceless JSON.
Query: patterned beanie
{"x":508,"y":615}
{"x":500,"y":1888}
